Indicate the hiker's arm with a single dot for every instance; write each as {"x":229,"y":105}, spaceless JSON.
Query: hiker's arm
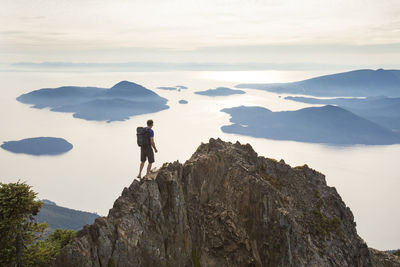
{"x":153,"y":144}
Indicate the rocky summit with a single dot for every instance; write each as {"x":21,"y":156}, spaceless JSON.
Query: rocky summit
{"x":225,"y":206}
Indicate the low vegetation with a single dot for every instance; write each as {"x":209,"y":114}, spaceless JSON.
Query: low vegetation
{"x":319,"y":224}
{"x":22,"y":242}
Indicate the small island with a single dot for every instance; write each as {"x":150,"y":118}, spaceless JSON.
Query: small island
{"x":167,"y":88}
{"x":220,"y":91}
{"x":38,"y":146}
{"x":183,"y":101}
{"x":118,"y":103}
{"x":172,"y":88}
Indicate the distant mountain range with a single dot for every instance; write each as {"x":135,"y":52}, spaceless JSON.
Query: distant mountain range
{"x":123,"y":100}
{"x":353,"y":83}
{"x":381,"y":110}
{"x":327,"y":124}
{"x":38,"y":146}
{"x":64,"y":218}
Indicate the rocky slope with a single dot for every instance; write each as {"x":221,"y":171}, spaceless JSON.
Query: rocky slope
{"x":225,"y":207}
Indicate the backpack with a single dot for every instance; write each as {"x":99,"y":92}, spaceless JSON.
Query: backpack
{"x":143,"y":136}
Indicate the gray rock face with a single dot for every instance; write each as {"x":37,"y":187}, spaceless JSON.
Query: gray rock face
{"x":224,"y":207}
{"x":384,"y":259}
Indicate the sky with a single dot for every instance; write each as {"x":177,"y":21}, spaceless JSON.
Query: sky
{"x":199,"y":35}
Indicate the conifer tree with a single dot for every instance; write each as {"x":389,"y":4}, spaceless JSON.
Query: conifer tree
{"x":18,"y":228}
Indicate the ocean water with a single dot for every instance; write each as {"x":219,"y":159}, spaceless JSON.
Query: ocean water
{"x":105,"y":157}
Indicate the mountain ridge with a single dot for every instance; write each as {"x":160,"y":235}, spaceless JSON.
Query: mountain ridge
{"x":64,"y":218}
{"x":381,"y":110}
{"x":327,"y":125}
{"x":225,"y":206}
{"x":364,"y":82}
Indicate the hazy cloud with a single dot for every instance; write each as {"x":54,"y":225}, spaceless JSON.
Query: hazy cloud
{"x":163,"y":66}
{"x":207,"y":31}
{"x":11,"y":32}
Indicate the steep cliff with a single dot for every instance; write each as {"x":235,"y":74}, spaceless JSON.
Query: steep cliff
{"x":224,"y":207}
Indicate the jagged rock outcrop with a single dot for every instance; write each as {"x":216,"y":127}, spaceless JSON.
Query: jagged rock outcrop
{"x":384,"y":259}
{"x":224,"y":207}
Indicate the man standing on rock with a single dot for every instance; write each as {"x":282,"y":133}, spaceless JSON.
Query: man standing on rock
{"x":146,"y":151}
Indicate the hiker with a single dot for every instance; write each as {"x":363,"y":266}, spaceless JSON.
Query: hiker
{"x":146,"y":148}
